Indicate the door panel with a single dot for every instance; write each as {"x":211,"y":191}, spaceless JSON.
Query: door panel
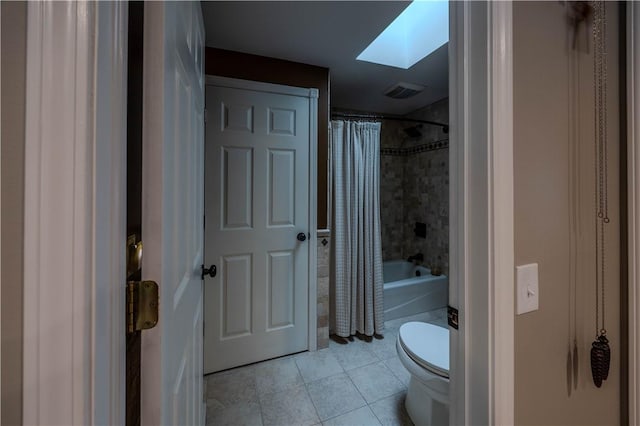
{"x":257,"y":201}
{"x":237,"y":200}
{"x":172,"y":211}
{"x":280,"y":188}
{"x":236,"y":294}
{"x":280,"y":289}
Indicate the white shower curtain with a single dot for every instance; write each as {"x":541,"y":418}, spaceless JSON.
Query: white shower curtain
{"x":357,"y":249}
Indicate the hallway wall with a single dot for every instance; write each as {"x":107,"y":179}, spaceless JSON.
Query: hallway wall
{"x":544,"y":338}
{"x":13,"y":62}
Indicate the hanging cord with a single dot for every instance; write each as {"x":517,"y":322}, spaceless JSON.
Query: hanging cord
{"x":574,"y":203}
{"x":603,"y":113}
{"x":575,"y":142}
{"x":600,"y":350}
{"x":596,"y":191}
{"x":600,"y":90}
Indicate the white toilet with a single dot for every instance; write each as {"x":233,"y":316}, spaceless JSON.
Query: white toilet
{"x":424,"y":351}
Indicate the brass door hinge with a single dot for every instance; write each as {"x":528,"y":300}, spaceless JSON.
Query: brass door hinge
{"x":142,"y":296}
{"x":142,"y":305}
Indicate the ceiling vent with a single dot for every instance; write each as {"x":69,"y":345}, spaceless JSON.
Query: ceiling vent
{"x":403,"y":90}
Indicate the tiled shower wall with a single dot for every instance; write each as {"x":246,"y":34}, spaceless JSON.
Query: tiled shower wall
{"x":414,"y":187}
{"x":324,"y":258}
{"x":391,"y":193}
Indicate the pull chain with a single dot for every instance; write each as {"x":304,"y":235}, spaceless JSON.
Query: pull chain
{"x":600,"y":350}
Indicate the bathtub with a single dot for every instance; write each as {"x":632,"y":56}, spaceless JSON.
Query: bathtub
{"x":406,"y":294}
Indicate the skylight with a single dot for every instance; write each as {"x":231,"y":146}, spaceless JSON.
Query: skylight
{"x":419,"y":30}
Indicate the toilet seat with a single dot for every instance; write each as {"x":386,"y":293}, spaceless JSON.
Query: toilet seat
{"x":427,"y":345}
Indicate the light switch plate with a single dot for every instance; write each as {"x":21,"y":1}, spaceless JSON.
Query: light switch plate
{"x":527,"y":288}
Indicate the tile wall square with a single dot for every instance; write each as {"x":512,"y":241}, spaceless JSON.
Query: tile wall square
{"x":323,"y":338}
{"x":322,"y":314}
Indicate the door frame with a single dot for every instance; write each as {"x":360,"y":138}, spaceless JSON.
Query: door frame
{"x":75,"y":199}
{"x":312,"y":95}
{"x":481,"y":227}
{"x":91,"y":263}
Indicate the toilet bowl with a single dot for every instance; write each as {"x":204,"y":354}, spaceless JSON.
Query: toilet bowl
{"x":423,"y":349}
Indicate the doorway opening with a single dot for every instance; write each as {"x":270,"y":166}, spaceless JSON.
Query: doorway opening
{"x":413,"y":193}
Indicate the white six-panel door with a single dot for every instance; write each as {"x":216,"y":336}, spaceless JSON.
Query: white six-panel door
{"x":172,"y":211}
{"x":256,"y":205}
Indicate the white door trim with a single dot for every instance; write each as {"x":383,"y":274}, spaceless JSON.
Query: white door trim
{"x":312,"y":94}
{"x":458,"y":128}
{"x":236,"y":83}
{"x":75,"y":162}
{"x":633,"y":194}
{"x":313,"y":219}
{"x":501,"y":220}
{"x":481,"y":202}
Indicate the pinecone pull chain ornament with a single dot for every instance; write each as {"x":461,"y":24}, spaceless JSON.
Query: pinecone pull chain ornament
{"x":600,"y":350}
{"x":600,"y":359}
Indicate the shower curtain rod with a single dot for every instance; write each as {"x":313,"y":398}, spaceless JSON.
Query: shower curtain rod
{"x":445,"y":127}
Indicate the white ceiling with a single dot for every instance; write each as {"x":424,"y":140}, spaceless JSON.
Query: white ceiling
{"x":329,"y":34}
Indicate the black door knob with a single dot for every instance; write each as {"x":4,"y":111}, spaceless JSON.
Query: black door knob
{"x":302,"y":236}
{"x":211,"y":271}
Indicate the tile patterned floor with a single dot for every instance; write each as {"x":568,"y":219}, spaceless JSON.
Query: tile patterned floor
{"x":353,"y":382}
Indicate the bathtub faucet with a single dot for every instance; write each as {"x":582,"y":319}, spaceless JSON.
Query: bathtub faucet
{"x":418,"y":257}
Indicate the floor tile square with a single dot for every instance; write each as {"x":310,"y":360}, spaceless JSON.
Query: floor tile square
{"x":395,"y":365}
{"x":391,"y":412}
{"x":334,"y":396}
{"x":289,"y":407}
{"x":239,"y":414}
{"x":318,"y":365}
{"x":232,"y":386}
{"x":353,"y":354}
{"x":385,"y":347}
{"x":277,"y":375}
{"x":375,"y":381}
{"x":360,"y":417}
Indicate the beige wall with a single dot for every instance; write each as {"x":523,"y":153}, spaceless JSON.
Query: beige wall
{"x":541,"y":126}
{"x":13,"y":112}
